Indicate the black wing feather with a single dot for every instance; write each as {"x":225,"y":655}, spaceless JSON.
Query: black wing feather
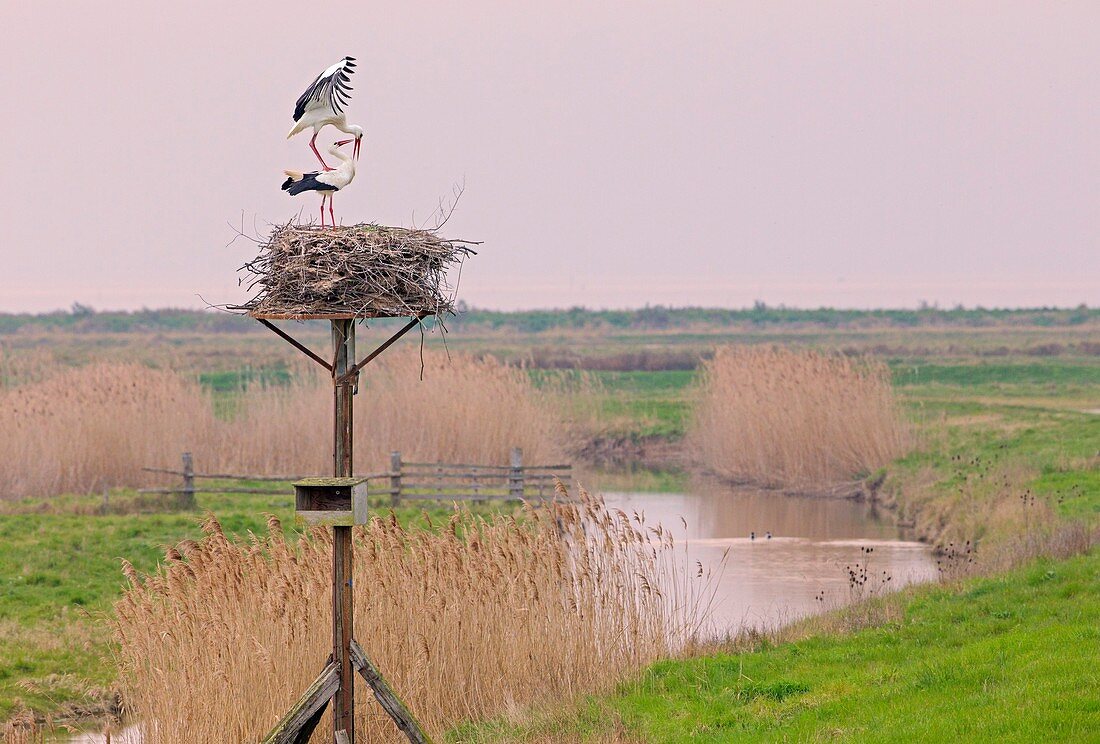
{"x":308,"y":182}
{"x":332,"y":89}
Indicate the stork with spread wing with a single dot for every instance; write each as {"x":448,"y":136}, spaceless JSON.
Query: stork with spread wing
{"x":323,"y":103}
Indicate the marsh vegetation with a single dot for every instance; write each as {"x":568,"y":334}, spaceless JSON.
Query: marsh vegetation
{"x":977,"y":430}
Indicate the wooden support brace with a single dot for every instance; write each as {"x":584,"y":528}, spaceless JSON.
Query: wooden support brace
{"x":303,"y":716}
{"x":354,"y":370}
{"x":387,"y":698}
{"x":295,"y":343}
{"x":306,"y":733}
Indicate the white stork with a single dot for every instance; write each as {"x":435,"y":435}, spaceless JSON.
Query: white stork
{"x":323,"y":103}
{"x":326,"y":183}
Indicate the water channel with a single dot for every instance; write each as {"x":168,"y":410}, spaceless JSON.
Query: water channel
{"x":767,"y":581}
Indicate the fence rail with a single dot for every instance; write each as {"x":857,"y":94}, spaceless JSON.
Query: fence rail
{"x":407,"y":481}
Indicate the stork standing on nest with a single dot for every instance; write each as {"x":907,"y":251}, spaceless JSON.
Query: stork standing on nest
{"x":323,"y":103}
{"x":327,"y":182}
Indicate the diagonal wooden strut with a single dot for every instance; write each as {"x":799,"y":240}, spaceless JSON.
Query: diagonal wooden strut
{"x":387,"y":698}
{"x":304,"y":735}
{"x":370,"y":357}
{"x":306,"y":712}
{"x":295,"y":343}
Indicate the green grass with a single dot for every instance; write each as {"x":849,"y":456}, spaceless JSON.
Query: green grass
{"x":996,"y":440}
{"x":235,"y":380}
{"x":1058,"y":373}
{"x":646,"y":404}
{"x":1008,"y":658}
{"x":1076,"y":493}
{"x":60,"y":574}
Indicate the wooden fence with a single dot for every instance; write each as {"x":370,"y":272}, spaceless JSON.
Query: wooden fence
{"x":404,"y":481}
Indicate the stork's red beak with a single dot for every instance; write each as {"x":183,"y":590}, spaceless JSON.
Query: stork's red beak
{"x":341,"y":143}
{"x":358,"y":141}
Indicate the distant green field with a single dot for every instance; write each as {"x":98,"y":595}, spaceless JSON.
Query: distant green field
{"x":235,"y":380}
{"x":1011,"y":658}
{"x":85,"y":319}
{"x":647,"y":404}
{"x":984,"y":373}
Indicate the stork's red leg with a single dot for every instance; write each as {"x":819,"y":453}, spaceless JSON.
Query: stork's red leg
{"x":313,"y":146}
{"x":322,"y":210}
{"x":331,"y":217}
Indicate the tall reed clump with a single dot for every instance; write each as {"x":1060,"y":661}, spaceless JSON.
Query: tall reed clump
{"x":795,"y":418}
{"x":21,"y":729}
{"x":477,"y":618}
{"x":97,"y":426}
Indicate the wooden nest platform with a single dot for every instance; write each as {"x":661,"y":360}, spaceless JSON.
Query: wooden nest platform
{"x":359,"y":271}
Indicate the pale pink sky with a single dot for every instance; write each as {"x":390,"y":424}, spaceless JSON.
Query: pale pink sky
{"x":843,"y":153}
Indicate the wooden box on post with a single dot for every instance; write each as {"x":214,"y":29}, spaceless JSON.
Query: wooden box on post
{"x":333,"y":502}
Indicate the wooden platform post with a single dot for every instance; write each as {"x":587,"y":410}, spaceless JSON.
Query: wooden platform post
{"x":343,"y":631}
{"x":336,"y":683}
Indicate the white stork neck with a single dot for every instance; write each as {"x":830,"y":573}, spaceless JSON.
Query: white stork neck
{"x":353,"y":129}
{"x":336,"y":152}
{"x":347,"y":163}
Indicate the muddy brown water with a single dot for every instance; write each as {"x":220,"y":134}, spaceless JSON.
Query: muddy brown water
{"x":763,"y":582}
{"x":766,"y":581}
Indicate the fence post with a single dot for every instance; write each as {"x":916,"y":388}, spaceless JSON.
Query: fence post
{"x":187,"y":496}
{"x":476,"y":485}
{"x":515,"y":479}
{"x":395,"y":479}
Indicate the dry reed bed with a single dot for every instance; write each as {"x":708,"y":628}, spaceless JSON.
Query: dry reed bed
{"x":794,"y":418}
{"x":95,"y":427}
{"x":480,"y":618}
{"x":88,"y":428}
{"x":22,"y":729}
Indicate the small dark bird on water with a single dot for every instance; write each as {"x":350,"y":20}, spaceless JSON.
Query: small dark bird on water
{"x":752,"y":535}
{"x":768,"y":535}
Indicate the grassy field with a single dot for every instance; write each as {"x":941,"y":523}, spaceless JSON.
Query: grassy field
{"x":997,"y":414}
{"x":1008,"y":658}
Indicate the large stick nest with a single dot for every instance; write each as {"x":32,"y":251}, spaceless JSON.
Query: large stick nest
{"x":360,"y":270}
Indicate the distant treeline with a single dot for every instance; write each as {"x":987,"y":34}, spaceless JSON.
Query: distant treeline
{"x":659,"y":317}
{"x":84,"y":319}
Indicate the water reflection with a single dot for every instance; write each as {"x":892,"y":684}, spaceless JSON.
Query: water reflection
{"x":126,"y":736}
{"x":768,"y":581}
